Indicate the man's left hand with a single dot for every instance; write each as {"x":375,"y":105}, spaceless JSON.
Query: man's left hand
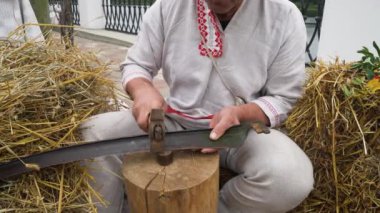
{"x":223,"y":120}
{"x":232,"y":116}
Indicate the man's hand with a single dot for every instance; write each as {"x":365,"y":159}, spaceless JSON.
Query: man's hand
{"x":146,"y":98}
{"x":223,"y":120}
{"x":232,"y":116}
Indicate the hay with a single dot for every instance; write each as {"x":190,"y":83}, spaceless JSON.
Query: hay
{"x":46,"y":92}
{"x":337,"y":123}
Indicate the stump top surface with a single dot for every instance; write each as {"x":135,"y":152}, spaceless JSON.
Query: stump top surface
{"x":187,"y":170}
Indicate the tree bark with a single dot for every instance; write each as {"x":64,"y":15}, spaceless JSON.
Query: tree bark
{"x":66,"y":18}
{"x":188,"y":185}
{"x":41,"y":9}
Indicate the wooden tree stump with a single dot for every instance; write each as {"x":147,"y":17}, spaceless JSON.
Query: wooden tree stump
{"x":190,"y":184}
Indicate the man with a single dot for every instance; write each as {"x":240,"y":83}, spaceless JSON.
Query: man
{"x":212,"y":53}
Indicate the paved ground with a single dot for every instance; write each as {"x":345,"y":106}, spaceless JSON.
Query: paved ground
{"x":114,"y":55}
{"x":108,"y":53}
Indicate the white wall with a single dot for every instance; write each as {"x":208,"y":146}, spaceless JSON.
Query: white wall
{"x":91,"y":14}
{"x":347,"y":26}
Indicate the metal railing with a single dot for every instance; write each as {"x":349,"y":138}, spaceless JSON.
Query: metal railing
{"x":75,"y":10}
{"x":312,"y":11}
{"x":125,"y":15}
{"x":57,"y":7}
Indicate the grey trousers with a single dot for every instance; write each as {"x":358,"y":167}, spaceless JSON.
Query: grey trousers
{"x":275,"y":175}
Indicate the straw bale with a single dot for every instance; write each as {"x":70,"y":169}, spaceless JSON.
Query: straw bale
{"x":46,"y":92}
{"x":337,"y":123}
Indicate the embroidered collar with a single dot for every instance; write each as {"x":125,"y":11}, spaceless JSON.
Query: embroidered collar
{"x":211,"y":41}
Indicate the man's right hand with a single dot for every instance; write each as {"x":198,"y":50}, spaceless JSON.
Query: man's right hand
{"x":145,"y":98}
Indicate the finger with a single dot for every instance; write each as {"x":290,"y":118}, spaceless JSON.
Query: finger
{"x":219,"y":130}
{"x":164,"y":106}
{"x":135,"y":112}
{"x":214,"y":120}
{"x":143,"y":121}
{"x":158,"y":104}
{"x":208,"y":150}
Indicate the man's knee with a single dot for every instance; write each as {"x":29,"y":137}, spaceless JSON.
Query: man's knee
{"x":109,"y":126}
{"x":276,"y":175}
{"x":286,"y":182}
{"x":292,"y":181}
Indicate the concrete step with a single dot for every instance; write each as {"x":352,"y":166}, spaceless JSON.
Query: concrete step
{"x":111,"y":37}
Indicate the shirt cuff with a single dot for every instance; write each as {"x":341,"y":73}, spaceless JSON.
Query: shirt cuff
{"x":134,"y":71}
{"x":270,"y":110}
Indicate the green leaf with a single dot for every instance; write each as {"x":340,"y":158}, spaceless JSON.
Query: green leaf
{"x":376,"y":48}
{"x":368,"y":61}
{"x":356,"y":65}
{"x":364,"y":51}
{"x":358,"y":81}
{"x":370,"y":74}
{"x":346,"y":91}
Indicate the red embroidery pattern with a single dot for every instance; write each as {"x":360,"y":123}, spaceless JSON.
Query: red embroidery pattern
{"x":207,"y":32}
{"x":272,"y":109}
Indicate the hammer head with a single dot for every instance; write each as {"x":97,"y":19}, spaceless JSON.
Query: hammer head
{"x":157,"y":137}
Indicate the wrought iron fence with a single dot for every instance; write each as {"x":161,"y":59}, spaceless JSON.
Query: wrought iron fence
{"x":125,"y":15}
{"x":312,"y":11}
{"x":75,"y":9}
{"x":57,"y":7}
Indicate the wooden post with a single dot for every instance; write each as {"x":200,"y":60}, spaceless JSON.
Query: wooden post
{"x":189,"y":185}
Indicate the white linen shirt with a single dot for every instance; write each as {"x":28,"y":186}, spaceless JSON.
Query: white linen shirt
{"x":263,"y":57}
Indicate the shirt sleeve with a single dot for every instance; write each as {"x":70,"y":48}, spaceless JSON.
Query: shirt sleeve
{"x":286,"y":74}
{"x":144,"y":57}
